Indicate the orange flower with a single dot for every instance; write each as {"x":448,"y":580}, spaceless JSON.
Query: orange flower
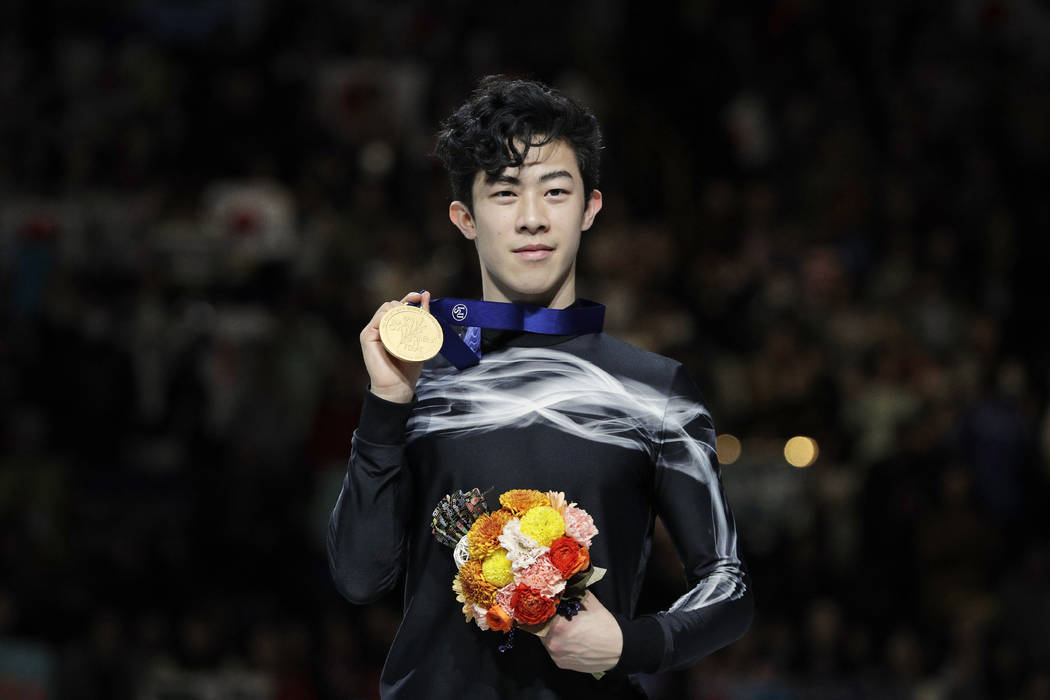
{"x":557,"y":499}
{"x":568,"y":556}
{"x":585,"y":560}
{"x":520,"y":500}
{"x":531,"y":608}
{"x":468,"y":607}
{"x":483,"y":537}
{"x":498,"y":619}
{"x":475,"y":588}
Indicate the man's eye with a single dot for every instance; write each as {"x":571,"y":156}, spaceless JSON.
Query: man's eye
{"x":557,"y":192}
{"x":504,"y":193}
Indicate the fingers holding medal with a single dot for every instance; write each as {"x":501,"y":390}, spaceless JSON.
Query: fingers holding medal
{"x":411,"y":333}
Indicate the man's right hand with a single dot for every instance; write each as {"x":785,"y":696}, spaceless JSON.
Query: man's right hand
{"x":392,"y":379}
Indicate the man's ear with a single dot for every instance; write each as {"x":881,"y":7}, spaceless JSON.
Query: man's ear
{"x":593,"y":206}
{"x":459,"y":214}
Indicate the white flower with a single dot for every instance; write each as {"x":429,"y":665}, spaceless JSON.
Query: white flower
{"x":522,"y":550}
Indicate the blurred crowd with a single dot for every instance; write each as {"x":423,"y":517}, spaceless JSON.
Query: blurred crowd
{"x":831,"y":213}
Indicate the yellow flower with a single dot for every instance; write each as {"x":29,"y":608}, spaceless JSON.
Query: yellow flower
{"x":468,"y":607}
{"x":543,"y":524}
{"x":483,"y":537}
{"x":475,"y":588}
{"x":520,"y":500}
{"x":496,"y":568}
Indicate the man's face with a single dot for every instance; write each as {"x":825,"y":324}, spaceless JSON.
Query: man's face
{"x":526,"y":224}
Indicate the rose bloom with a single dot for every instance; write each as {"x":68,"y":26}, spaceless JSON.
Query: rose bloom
{"x":568,"y":556}
{"x":531,"y":608}
{"x":498,"y":619}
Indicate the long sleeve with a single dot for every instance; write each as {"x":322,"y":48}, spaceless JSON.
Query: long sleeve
{"x":367,"y":530}
{"x":692,"y":504}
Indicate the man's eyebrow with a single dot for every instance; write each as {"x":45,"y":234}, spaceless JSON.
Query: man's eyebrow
{"x":555,"y":174}
{"x":504,"y":179}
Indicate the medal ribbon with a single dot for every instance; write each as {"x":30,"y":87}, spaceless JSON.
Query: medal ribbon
{"x":584,"y":317}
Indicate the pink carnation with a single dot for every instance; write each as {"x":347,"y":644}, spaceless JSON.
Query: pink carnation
{"x":480,"y":618}
{"x":543,"y":577}
{"x":579,"y":525}
{"x":504,"y":596}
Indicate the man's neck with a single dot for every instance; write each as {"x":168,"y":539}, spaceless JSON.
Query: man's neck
{"x":563,"y":298}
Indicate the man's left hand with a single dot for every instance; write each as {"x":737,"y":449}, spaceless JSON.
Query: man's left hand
{"x":590,"y":642}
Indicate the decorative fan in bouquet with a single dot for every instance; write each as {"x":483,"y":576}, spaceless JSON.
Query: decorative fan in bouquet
{"x":521,"y":564}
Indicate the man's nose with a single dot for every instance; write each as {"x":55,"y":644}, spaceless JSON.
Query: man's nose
{"x":532,"y":216}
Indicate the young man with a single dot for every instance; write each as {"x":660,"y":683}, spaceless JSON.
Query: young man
{"x":619,"y":430}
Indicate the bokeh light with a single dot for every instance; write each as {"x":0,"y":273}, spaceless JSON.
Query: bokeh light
{"x":801,"y":451}
{"x":728,"y":448}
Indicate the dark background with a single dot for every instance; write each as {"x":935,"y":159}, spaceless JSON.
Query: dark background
{"x":835,"y":214}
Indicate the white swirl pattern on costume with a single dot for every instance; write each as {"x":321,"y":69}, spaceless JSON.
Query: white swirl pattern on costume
{"x":521,"y":385}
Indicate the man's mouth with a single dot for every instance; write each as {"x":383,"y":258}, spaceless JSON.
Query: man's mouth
{"x":534,"y":252}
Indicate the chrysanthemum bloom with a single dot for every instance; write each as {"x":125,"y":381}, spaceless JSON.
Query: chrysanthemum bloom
{"x":519,"y":501}
{"x":542,"y":577}
{"x":496,"y":568}
{"x":475,"y":588}
{"x":579,"y":525}
{"x":483,"y":537}
{"x":522,"y":550}
{"x":468,"y":607}
{"x":543,"y":524}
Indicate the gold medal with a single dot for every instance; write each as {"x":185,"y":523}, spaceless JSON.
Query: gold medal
{"x":411,"y":334}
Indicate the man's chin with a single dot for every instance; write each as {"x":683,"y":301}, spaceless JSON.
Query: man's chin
{"x":535,"y":291}
{"x":532,"y":296}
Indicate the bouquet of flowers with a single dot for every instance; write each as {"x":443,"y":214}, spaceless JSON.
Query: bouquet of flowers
{"x":520,"y":564}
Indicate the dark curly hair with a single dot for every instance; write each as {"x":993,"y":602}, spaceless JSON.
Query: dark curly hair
{"x":501,"y":120}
